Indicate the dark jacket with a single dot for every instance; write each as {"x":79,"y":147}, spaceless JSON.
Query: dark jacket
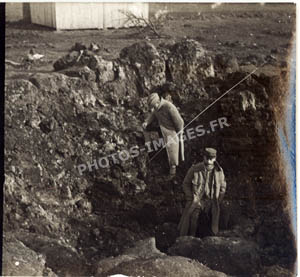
{"x":167,"y":116}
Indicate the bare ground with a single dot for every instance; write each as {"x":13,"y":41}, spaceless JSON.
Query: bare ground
{"x":243,"y":30}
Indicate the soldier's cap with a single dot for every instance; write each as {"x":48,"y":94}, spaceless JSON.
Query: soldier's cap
{"x":152,"y":99}
{"x":210,"y":152}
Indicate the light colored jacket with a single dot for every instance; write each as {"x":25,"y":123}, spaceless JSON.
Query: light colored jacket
{"x":191,"y":189}
{"x":167,"y":116}
{"x":194,"y":189}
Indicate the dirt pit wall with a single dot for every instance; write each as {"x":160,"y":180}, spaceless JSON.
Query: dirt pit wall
{"x":61,"y":128}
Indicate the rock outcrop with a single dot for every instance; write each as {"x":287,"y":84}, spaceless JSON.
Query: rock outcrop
{"x":19,"y":260}
{"x":233,"y":256}
{"x":69,"y":176}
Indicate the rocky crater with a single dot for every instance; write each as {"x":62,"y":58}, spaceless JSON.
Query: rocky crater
{"x":70,"y":212}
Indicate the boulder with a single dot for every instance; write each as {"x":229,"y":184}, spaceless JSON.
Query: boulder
{"x":105,"y":70}
{"x":54,"y":82}
{"x":145,"y":260}
{"x":225,"y":63}
{"x":78,"y":57}
{"x":110,"y":263}
{"x":189,"y":63}
{"x":276,"y":271}
{"x":60,"y":257}
{"x":68,"y":60}
{"x":80,"y":72}
{"x":234,"y":256}
{"x":19,"y":260}
{"x":78,"y":46}
{"x":162,"y":267}
{"x":145,"y":249}
{"x":147,"y":63}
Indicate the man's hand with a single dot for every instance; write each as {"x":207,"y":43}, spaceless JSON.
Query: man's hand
{"x":194,"y":204}
{"x":144,"y":125}
{"x":221,"y":196}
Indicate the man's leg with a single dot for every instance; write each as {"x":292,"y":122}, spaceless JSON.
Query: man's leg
{"x":205,"y":218}
{"x":204,"y":225}
{"x":184,"y":223}
{"x":194,"y":221}
{"x":172,"y":147}
{"x":173,"y":153}
{"x":215,"y":215}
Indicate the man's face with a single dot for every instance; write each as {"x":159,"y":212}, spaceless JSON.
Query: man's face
{"x":209,"y":160}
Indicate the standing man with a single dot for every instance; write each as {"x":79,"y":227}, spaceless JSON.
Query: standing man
{"x":204,"y":187}
{"x":171,"y":125}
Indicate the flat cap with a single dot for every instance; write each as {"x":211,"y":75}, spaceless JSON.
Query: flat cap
{"x":210,"y":152}
{"x":152,"y":99}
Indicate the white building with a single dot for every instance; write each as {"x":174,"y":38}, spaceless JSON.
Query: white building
{"x":70,"y":16}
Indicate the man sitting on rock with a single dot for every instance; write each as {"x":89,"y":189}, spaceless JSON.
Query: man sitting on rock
{"x":204,"y":188}
{"x":171,"y":125}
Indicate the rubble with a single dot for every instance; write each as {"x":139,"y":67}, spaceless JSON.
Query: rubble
{"x":234,"y":256}
{"x":94,"y":108}
{"x":145,"y":260}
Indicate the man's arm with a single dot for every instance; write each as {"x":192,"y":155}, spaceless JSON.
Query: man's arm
{"x":187,"y":184}
{"x":222,"y":186}
{"x":149,"y":119}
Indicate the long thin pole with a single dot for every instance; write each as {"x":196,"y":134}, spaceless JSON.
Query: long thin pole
{"x":210,"y":105}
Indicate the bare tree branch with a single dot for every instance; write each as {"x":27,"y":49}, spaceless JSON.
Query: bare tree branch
{"x":141,"y":21}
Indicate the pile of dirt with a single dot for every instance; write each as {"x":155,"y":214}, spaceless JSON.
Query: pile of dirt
{"x":70,"y":181}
